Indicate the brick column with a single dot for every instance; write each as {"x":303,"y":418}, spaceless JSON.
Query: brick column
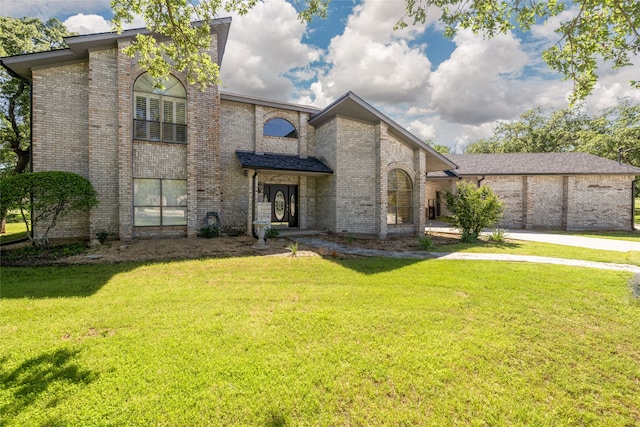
{"x":383,"y":160}
{"x":125,"y":145}
{"x":419,"y":191}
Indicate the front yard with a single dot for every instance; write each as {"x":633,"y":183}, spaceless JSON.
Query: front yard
{"x":318,"y":341}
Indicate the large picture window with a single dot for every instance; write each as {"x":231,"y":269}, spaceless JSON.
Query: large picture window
{"x":400,"y":198}
{"x":160,"y":114}
{"x":158,"y":202}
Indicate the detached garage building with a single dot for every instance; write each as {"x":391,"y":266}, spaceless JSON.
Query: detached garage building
{"x":568,"y":191}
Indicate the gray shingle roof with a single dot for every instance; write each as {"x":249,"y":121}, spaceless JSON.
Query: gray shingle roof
{"x":536,"y":164}
{"x":282,"y":162}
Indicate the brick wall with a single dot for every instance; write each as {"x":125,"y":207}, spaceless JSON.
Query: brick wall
{"x":599,"y":203}
{"x":356,"y":169}
{"x":103,"y":138}
{"x":326,"y":140}
{"x":60,"y":131}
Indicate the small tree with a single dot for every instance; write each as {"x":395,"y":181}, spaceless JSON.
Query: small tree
{"x":472,"y":208}
{"x":48,"y":196}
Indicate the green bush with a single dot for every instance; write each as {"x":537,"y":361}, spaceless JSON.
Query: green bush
{"x":425,"y":242}
{"x":48,"y":196}
{"x":209,"y":231}
{"x":497,"y":235}
{"x":472,"y":209}
{"x":271,"y":233}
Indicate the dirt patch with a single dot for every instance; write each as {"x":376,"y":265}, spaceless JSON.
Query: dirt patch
{"x":153,"y":250}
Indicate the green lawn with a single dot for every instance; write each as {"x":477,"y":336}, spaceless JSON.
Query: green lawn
{"x":311,"y":341}
{"x":15,"y":231}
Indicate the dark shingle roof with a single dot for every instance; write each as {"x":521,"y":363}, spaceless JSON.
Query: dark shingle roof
{"x":536,"y":164}
{"x":282,"y":162}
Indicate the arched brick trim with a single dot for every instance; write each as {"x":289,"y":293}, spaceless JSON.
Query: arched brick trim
{"x":282,"y":115}
{"x":397,"y":165}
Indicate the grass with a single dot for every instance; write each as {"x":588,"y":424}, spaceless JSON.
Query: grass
{"x":310,"y":341}
{"x":633,"y":236}
{"x":15,"y":231}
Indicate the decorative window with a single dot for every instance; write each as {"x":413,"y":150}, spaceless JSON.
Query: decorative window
{"x":280,"y":128}
{"x":400,"y":198}
{"x":160,"y":114}
{"x":158,"y":202}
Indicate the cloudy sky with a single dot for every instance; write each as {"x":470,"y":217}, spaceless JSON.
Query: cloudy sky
{"x":449,"y":91}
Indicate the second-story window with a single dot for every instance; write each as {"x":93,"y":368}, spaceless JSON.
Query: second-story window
{"x":160,"y":114}
{"x":280,"y":128}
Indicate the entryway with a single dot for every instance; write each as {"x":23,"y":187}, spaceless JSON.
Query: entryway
{"x":284,"y":204}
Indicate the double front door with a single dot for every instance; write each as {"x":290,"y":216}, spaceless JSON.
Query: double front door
{"x":284,"y":203}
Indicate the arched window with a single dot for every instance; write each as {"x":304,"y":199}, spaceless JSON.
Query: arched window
{"x":160,"y":114}
{"x":280,"y":128}
{"x":400,"y":198}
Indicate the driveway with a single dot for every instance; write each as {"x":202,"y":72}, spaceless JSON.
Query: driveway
{"x":556,"y":239}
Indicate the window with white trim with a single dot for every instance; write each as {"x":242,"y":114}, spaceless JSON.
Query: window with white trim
{"x":159,"y":202}
{"x":399,"y":198}
{"x":160,"y":114}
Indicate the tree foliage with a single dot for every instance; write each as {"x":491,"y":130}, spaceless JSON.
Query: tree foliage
{"x":19,"y":36}
{"x":48,"y":196}
{"x":183,"y":22}
{"x":609,"y":133}
{"x":591,"y":30}
{"x":594,"y":29}
{"x":472,"y":209}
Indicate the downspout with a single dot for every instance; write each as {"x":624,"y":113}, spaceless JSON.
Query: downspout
{"x":253,"y":204}
{"x":633,"y":204}
{"x":480,"y":181}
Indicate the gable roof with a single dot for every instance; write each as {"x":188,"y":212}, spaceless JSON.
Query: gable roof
{"x":351,"y":105}
{"x":228,"y":96}
{"x":536,"y":164}
{"x":78,"y":48}
{"x":282,"y":162}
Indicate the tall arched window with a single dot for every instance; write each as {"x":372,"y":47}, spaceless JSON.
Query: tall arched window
{"x":400,"y":198}
{"x":160,"y":114}
{"x":280,"y":128}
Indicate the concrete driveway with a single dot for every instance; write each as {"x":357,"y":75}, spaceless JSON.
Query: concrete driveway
{"x":555,"y":238}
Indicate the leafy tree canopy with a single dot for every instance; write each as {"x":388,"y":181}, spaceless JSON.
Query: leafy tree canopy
{"x":20,"y":36}
{"x":49,"y":196}
{"x":592,"y":30}
{"x":609,"y":133}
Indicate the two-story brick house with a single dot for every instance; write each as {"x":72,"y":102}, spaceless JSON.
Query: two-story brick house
{"x":162,"y":160}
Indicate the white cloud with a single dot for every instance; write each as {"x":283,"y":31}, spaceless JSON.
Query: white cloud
{"x":45,"y":9}
{"x":263,"y":47}
{"x":478,"y":83}
{"x":87,"y":24}
{"x":372,"y":60}
{"x":422,"y":129}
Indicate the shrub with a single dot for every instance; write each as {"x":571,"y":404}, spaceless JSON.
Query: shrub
{"x":48,"y":196}
{"x":293,"y":248}
{"x":209,"y":231}
{"x":497,"y":235}
{"x":472,"y":209}
{"x":271,"y":233}
{"x":425,"y":242}
{"x":104,"y":235}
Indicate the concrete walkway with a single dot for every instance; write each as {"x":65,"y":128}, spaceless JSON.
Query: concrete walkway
{"x":317,"y":242}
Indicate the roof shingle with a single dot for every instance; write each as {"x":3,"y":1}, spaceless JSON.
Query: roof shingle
{"x":282,"y":162}
{"x":536,"y":164}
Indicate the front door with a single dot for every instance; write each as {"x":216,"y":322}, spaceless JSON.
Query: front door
{"x":284,"y":204}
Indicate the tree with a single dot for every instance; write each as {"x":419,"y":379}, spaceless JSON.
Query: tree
{"x":472,"y":209}
{"x":607,"y":29}
{"x":442,"y":149}
{"x":48,"y":196}
{"x":20,"y":36}
{"x":593,"y":30}
{"x":536,"y":132}
{"x":609,"y":133}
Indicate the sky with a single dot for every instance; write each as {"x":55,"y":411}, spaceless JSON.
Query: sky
{"x":451,"y":92}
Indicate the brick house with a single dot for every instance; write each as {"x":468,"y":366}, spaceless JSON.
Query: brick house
{"x":162,"y":161}
{"x":562,"y":191}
